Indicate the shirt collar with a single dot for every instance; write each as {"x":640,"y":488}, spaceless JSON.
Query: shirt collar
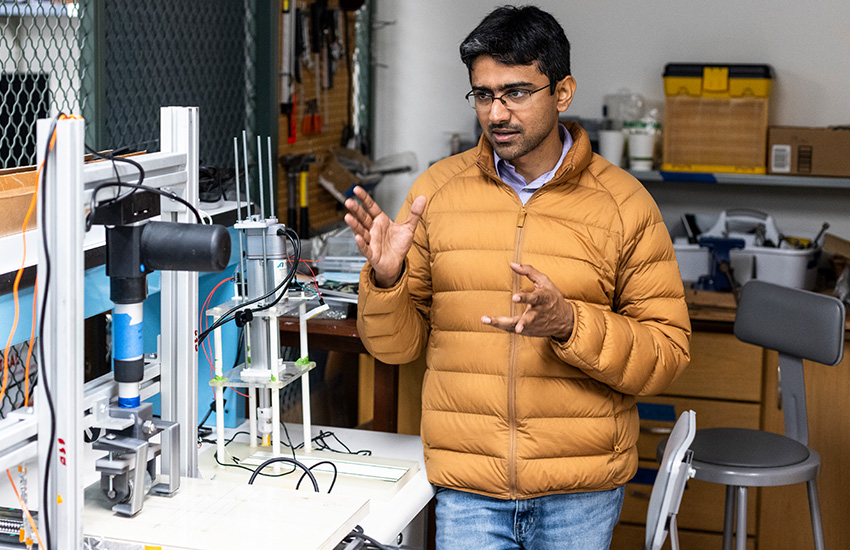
{"x":508,"y":174}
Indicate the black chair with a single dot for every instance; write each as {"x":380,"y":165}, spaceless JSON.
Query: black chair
{"x":799,"y":325}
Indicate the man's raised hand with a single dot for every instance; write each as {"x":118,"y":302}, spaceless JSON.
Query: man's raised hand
{"x":380,"y":240}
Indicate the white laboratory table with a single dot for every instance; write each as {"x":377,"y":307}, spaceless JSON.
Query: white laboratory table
{"x":386,"y":517}
{"x":388,"y":512}
{"x":304,"y":518}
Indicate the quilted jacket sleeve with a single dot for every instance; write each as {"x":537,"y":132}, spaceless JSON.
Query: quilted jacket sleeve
{"x":641,"y":346}
{"x":393,"y":322}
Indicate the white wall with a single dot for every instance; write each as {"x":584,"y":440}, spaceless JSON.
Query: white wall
{"x":420,"y":81}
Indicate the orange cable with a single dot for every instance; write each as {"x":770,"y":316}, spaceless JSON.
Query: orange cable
{"x":26,"y":510}
{"x":32,"y":340}
{"x":18,"y":276}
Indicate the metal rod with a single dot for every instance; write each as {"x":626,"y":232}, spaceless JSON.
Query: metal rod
{"x":306,"y":414}
{"x":247,"y":179}
{"x":219,"y":394}
{"x":239,"y":219}
{"x":238,"y":192}
{"x":260,"y":177}
{"x":272,"y":204}
{"x":265,"y":263}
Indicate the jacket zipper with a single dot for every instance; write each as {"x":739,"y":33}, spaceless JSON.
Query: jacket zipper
{"x":512,"y":477}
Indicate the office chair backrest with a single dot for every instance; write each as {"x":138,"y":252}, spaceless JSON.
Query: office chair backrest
{"x":669,"y":485}
{"x":799,"y":325}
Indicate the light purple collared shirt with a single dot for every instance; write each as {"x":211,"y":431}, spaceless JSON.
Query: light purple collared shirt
{"x":509,"y":175}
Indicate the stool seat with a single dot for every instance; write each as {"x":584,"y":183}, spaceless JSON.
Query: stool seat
{"x":738,"y":447}
{"x":800,"y":326}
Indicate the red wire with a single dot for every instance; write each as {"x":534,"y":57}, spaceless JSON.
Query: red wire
{"x":312,"y":273}
{"x":203,"y":325}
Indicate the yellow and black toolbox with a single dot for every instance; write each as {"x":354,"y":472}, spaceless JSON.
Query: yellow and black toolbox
{"x":716,"y":117}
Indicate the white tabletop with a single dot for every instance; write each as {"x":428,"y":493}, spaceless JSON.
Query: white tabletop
{"x":389,"y":512}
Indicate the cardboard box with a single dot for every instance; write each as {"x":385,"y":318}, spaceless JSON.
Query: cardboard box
{"x":803,"y":151}
{"x":17,"y":186}
{"x":836,"y":245}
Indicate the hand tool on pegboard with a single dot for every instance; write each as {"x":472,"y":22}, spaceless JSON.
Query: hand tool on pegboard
{"x":312,"y":121}
{"x":294,"y":166}
{"x":318,"y":10}
{"x":288,"y":65}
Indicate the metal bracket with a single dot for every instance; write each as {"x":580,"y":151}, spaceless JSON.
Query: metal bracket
{"x":126,"y":446}
{"x":171,"y":453}
{"x":102,"y":418}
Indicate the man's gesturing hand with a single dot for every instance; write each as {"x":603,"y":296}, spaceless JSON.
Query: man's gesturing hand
{"x":546,"y":312}
{"x":381,"y":241}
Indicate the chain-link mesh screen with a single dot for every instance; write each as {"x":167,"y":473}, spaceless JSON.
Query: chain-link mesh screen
{"x":162,"y":52}
{"x":40,"y":53}
{"x":20,"y":390}
{"x":118,"y":62}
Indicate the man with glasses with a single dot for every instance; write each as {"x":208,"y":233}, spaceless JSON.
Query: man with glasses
{"x":541,"y":284}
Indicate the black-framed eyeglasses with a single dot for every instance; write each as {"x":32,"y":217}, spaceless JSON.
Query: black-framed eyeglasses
{"x":513,"y":99}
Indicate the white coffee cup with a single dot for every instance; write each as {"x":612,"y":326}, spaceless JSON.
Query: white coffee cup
{"x":611,"y":145}
{"x":641,"y":151}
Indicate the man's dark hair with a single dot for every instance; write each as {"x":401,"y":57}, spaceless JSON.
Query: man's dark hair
{"x":520,"y":36}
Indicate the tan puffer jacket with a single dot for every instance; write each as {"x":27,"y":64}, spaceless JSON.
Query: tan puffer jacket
{"x":513,"y":416}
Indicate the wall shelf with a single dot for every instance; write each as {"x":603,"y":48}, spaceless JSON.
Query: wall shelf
{"x":742,"y":179}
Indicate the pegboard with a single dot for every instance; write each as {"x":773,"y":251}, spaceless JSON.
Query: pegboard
{"x":333,"y":108}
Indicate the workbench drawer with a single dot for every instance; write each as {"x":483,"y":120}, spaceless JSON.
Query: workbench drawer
{"x":702,"y":503}
{"x":722,"y":367}
{"x":659,"y":413}
{"x":632,"y":537}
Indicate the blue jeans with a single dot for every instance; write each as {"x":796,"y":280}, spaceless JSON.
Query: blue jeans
{"x":576,"y":521}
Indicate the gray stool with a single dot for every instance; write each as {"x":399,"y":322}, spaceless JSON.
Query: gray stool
{"x":799,"y":325}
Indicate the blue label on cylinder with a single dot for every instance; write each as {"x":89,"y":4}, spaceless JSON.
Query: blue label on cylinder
{"x":129,"y":402}
{"x":127,"y":342}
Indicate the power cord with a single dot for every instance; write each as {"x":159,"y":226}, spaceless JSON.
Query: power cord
{"x":242,"y":309}
{"x":310,"y":468}
{"x":45,"y":252}
{"x":290,"y":461}
{"x":134,"y":186}
{"x":370,"y":543}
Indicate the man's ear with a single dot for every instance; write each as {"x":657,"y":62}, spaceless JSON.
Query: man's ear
{"x":564,"y":92}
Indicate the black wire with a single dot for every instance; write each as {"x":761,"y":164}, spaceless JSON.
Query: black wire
{"x":333,"y":482}
{"x":290,"y":461}
{"x":161,"y":192}
{"x":113,"y":158}
{"x":357,"y":533}
{"x":220,"y":463}
{"x":209,"y":412}
{"x":322,"y":445}
{"x":46,"y":285}
{"x":227,"y":316}
{"x":295,"y":241}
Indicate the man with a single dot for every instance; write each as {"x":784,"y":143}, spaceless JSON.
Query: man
{"x":541,"y":284}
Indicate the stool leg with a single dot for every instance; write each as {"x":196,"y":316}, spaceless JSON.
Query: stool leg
{"x":741,"y":529}
{"x":814,"y":508}
{"x":729,"y":514}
